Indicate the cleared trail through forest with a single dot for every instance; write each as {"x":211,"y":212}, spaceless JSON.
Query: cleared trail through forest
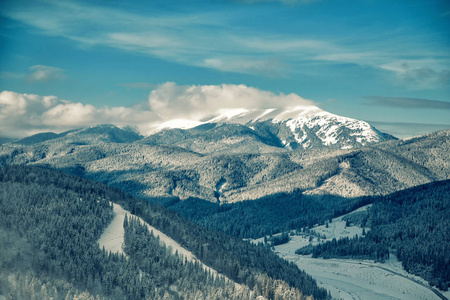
{"x":113,"y":238}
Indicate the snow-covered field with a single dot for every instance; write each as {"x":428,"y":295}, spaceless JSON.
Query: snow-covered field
{"x":336,"y":229}
{"x":355,"y":279}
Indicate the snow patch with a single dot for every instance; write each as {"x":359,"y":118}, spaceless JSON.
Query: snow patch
{"x":295,"y":113}
{"x":266,"y":112}
{"x":179,"y":123}
{"x":227,"y":114}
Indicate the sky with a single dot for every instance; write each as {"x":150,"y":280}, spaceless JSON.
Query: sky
{"x":70,"y":64}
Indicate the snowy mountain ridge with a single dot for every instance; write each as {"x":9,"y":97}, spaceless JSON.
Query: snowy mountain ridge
{"x":300,"y":126}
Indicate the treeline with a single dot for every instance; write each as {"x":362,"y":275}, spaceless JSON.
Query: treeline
{"x":266,"y":216}
{"x":356,"y":247}
{"x":50,"y":224}
{"x":414,"y":224}
{"x":277,"y":239}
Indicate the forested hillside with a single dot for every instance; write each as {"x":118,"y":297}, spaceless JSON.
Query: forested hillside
{"x":155,"y":172}
{"x":290,"y":189}
{"x":50,"y":224}
{"x":414,"y":224}
{"x":218,"y":138}
{"x":268,"y":215}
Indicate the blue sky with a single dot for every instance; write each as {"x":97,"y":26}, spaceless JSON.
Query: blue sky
{"x":381,"y":61}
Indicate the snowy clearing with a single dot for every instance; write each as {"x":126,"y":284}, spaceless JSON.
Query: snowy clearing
{"x":113,"y":236}
{"x":336,"y":229}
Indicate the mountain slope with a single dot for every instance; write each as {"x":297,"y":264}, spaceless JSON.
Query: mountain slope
{"x":37,"y":138}
{"x":217,"y":138}
{"x":5,"y":140}
{"x":58,"y":219}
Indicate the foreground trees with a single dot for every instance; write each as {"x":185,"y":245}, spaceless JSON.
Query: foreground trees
{"x":50,"y":224}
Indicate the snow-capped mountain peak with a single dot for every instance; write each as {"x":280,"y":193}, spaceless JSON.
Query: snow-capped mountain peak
{"x":331,"y":129}
{"x":300,"y":126}
{"x":309,"y":126}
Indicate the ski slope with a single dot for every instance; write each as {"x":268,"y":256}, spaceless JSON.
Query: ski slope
{"x":113,"y":238}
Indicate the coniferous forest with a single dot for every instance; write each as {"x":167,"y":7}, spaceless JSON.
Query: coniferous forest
{"x":50,"y":223}
{"x":268,"y":215}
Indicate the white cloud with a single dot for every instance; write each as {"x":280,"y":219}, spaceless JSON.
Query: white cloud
{"x":37,"y":73}
{"x":25,"y":114}
{"x":271,"y":67}
{"x":69,"y":115}
{"x":197,"y":102}
{"x":41,"y":73}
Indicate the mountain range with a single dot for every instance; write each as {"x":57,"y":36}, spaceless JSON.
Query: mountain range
{"x":229,"y":162}
{"x":247,"y":173}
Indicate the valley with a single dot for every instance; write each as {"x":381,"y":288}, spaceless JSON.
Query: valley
{"x":347,"y":279}
{"x":255,"y":186}
{"x":350,"y":279}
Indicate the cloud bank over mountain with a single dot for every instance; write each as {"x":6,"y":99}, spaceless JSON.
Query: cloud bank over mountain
{"x":172,"y":105}
{"x":197,"y":102}
{"x":26,"y":114}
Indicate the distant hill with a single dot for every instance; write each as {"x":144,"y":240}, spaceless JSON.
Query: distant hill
{"x":217,"y":138}
{"x":104,"y":133}
{"x":38,"y":138}
{"x":4,"y":140}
